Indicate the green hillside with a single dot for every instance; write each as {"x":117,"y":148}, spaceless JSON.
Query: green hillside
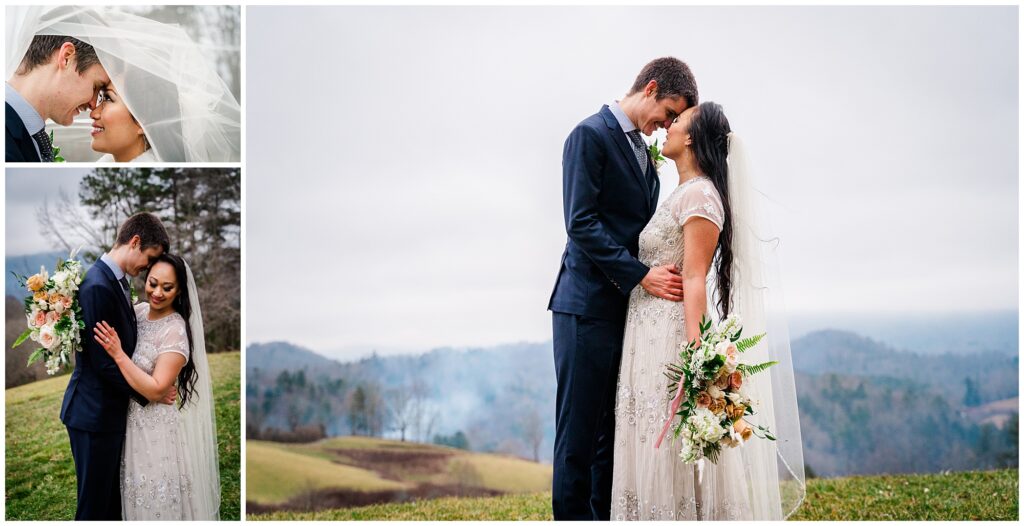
{"x":984,"y":495}
{"x":40,"y":475}
{"x":346,"y":471}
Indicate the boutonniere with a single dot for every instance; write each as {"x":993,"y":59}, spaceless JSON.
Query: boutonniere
{"x":656,"y":156}
{"x":57,"y":158}
{"x":131,"y":292}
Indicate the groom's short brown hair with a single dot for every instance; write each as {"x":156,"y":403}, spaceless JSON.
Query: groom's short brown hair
{"x":42,"y":48}
{"x":148,"y":227}
{"x":674,"y":80}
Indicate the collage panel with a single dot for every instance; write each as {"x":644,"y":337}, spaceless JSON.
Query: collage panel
{"x":143,"y":84}
{"x":123,"y":330}
{"x":632,"y":263}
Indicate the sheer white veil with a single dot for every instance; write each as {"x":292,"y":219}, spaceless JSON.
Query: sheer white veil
{"x":198,"y":420}
{"x":757,"y":298}
{"x":186,"y":110}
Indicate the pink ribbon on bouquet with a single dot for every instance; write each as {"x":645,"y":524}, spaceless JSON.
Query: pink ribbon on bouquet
{"x":676,"y":402}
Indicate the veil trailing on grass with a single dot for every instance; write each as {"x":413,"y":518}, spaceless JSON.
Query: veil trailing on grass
{"x":774,"y":469}
{"x":186,"y":110}
{"x":198,"y":420}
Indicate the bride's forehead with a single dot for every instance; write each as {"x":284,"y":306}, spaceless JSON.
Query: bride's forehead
{"x":162,"y":272}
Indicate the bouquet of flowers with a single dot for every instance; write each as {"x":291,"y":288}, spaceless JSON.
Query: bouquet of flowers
{"x":707,"y":384}
{"x":54,"y":315}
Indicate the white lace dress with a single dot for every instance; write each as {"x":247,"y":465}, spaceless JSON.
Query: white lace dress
{"x":155,"y":484}
{"x":649,"y":483}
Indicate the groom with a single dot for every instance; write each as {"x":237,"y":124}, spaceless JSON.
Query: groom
{"x":58,"y":78}
{"x":609,"y":193}
{"x":95,"y":407}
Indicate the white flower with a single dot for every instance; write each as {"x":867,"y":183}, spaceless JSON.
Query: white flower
{"x":48,"y":337}
{"x":688,"y":453}
{"x":53,"y":364}
{"x":705,"y":425}
{"x":715,"y":392}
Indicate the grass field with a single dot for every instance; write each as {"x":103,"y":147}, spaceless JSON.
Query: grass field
{"x":296,"y":476}
{"x":40,"y":474}
{"x":987,"y":495}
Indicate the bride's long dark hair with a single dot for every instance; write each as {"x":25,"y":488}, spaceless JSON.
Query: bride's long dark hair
{"x":709,"y":132}
{"x":182,"y":305}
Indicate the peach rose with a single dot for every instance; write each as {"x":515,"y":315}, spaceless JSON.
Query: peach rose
{"x":35,"y":283}
{"x":40,"y":296}
{"x":743,"y":428}
{"x":736,"y":411}
{"x":722,"y":381}
{"x":39,"y":318}
{"x":47,"y":337}
{"x":731,"y":358}
{"x":703,"y":399}
{"x":52,"y":317}
{"x":717,"y":406}
{"x":736,"y":380}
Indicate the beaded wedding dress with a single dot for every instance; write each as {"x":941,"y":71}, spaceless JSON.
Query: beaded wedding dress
{"x":649,"y":483}
{"x":155,"y":483}
{"x":761,"y":479}
{"x":170,"y":468}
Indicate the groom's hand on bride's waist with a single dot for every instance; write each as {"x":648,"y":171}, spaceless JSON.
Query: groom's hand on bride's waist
{"x":170,"y":396}
{"x":664,"y":282}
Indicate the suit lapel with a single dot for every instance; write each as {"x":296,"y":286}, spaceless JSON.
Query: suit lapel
{"x":126,"y":306}
{"x":619,"y":137}
{"x":20,"y":134}
{"x":657,"y":184}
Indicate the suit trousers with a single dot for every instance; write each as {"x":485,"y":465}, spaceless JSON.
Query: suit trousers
{"x":587,"y":354}
{"x":98,"y":470}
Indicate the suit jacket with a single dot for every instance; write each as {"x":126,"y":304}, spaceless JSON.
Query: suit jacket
{"x":96,"y":398}
{"x":19,"y":145}
{"x":607,"y":202}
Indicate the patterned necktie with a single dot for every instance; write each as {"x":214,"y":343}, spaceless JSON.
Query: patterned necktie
{"x":45,"y":146}
{"x":127,"y":288}
{"x":639,"y":149}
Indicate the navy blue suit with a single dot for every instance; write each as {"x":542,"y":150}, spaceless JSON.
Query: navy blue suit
{"x":19,"y":145}
{"x":607,"y":202}
{"x":95,"y":406}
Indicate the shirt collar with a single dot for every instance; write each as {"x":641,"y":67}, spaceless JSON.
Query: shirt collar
{"x":28,"y":114}
{"x":109,"y":261}
{"x":624,"y":122}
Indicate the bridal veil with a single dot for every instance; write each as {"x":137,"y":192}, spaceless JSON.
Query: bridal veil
{"x":198,"y":420}
{"x":776,"y":468}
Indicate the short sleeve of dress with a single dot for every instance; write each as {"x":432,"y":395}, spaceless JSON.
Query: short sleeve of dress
{"x":141,"y":309}
{"x":699,"y":199}
{"x":173,"y":337}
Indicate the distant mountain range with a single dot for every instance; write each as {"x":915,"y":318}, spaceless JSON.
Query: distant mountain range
{"x":864,"y":405}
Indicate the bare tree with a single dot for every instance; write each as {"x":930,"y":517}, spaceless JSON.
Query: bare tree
{"x":533,"y":431}
{"x":400,"y":409}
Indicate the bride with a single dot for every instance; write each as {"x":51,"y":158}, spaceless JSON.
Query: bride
{"x":116,"y":132}
{"x":169,"y":465}
{"x":707,"y":221}
{"x":179,"y":105}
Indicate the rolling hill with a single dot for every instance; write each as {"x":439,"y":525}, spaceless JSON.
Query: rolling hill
{"x":352,"y":471}
{"x":977,"y":495}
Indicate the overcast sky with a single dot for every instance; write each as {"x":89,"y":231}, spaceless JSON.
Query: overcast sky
{"x":27,"y":189}
{"x":403,"y":185}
